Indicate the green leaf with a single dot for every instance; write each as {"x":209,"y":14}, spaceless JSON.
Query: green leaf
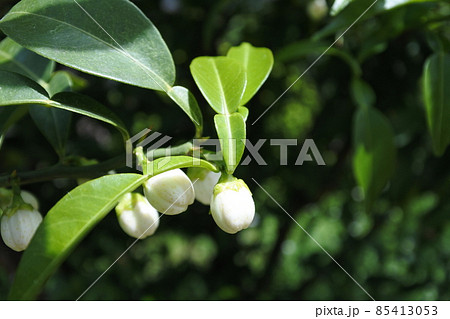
{"x":17,"y":89}
{"x":352,"y":12}
{"x":87,"y":106}
{"x":338,"y":6}
{"x":108,"y":38}
{"x":231,"y":131}
{"x":60,"y":82}
{"x":15,"y":58}
{"x":189,"y":105}
{"x":436,"y":83}
{"x":257,"y":64}
{"x":221,"y":81}
{"x":65,"y":225}
{"x":300,"y":49}
{"x":165,"y":164}
{"x":348,"y":11}
{"x":375,"y":153}
{"x":362,"y":93}
{"x":244,"y":112}
{"x":54,"y":123}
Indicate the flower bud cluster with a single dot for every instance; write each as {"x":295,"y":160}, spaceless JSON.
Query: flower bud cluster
{"x":171,"y":192}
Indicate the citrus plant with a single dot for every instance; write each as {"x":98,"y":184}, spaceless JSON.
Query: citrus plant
{"x":50,"y":44}
{"x":84,"y":35}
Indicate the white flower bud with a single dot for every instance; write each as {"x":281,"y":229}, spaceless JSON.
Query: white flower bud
{"x":232,"y":205}
{"x":170,"y":192}
{"x":18,"y":229}
{"x":204,"y":181}
{"x":317,"y":9}
{"x":30,"y":199}
{"x":136,"y":216}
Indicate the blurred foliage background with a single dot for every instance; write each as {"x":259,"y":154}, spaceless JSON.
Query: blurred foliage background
{"x":400,"y":250}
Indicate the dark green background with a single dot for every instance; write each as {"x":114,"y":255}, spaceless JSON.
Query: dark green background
{"x":398,"y":251}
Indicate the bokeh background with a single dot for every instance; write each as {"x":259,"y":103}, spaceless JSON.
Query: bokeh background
{"x":400,"y":250}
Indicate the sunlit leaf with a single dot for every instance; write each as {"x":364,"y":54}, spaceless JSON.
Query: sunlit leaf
{"x":65,"y":225}
{"x":108,"y":38}
{"x":375,"y":153}
{"x":231,"y":132}
{"x":221,"y":81}
{"x":257,"y":64}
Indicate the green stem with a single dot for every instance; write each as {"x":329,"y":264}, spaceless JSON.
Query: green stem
{"x":64,"y":171}
{"x":88,"y":171}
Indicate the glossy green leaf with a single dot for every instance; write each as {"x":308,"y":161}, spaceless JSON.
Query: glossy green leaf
{"x":165,"y":164}
{"x":65,"y":225}
{"x":436,"y":84}
{"x":186,"y":100}
{"x":15,"y":58}
{"x":257,"y":64}
{"x":231,"y":131}
{"x":108,"y":38}
{"x":375,"y":153}
{"x":221,"y":81}
{"x":17,"y":89}
{"x":361,"y":92}
{"x":244,"y":112}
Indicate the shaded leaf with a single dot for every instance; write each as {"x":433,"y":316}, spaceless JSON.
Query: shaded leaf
{"x":436,"y":83}
{"x":361,"y":92}
{"x":60,"y":82}
{"x":54,"y":123}
{"x":15,"y":58}
{"x":108,"y":38}
{"x":221,"y":81}
{"x":65,"y":225}
{"x":231,"y":132}
{"x":257,"y":64}
{"x":186,"y":100}
{"x":298,"y":50}
{"x":17,"y":89}
{"x":375,"y":153}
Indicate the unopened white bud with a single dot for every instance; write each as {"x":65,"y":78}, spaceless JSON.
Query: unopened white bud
{"x":232,"y":205}
{"x":30,"y":199}
{"x":136,"y":216}
{"x":317,"y":9}
{"x":170,"y":192}
{"x":18,"y":229}
{"x":204,"y":181}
